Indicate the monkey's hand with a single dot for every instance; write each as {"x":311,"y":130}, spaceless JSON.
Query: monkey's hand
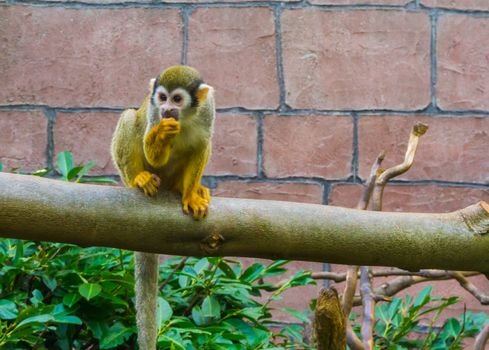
{"x":197,"y":203}
{"x":148,"y":182}
{"x":167,"y":129}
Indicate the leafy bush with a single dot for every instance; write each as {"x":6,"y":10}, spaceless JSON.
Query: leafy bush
{"x":59,"y":296}
{"x":398,"y":324}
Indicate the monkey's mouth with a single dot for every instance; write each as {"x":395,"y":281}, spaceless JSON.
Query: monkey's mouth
{"x":170,"y":113}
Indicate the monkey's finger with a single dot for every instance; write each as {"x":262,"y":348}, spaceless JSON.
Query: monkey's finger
{"x":185,"y":209}
{"x":155,"y":180}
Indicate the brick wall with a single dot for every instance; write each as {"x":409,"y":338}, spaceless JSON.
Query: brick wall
{"x":308,"y":92}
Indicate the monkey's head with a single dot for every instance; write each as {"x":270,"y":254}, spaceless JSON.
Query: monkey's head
{"x":178,"y":91}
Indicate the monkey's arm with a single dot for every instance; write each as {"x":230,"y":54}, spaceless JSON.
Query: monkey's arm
{"x":157,"y":142}
{"x":194,"y":195}
{"x":127,"y":152}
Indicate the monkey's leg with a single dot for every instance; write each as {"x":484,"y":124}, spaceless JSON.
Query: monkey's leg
{"x":193,"y":193}
{"x":157,"y":142}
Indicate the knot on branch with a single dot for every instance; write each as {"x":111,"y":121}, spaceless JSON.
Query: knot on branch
{"x":476,"y":217}
{"x":212,"y":243}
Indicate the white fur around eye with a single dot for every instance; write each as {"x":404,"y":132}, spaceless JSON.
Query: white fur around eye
{"x":186,"y":99}
{"x":160,"y":90}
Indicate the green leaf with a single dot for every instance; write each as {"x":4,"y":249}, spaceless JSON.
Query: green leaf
{"x":67,"y":319}
{"x":41,"y":172}
{"x":201,"y":265}
{"x":423,"y":297}
{"x":1,"y":166}
{"x":252,"y":272}
{"x":85,"y":170}
{"x":211,"y":307}
{"x":49,"y":282}
{"x":71,"y":299}
{"x":452,"y":327}
{"x":89,"y":290}
{"x":37,"y":297}
{"x":174,"y":345}
{"x":165,"y":312}
{"x":299,"y":315}
{"x":117,"y":335}
{"x":36,"y":319}
{"x":65,"y":163}
{"x":102,"y":180}
{"x":8,"y":310}
{"x":73,"y":172}
{"x":197,"y":316}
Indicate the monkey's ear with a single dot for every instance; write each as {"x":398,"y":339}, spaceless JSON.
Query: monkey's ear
{"x":203,"y":92}
{"x":151,"y":84}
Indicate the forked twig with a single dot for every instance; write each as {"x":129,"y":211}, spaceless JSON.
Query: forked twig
{"x":418,"y":130}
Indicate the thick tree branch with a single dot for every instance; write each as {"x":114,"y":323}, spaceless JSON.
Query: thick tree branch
{"x":89,"y":215}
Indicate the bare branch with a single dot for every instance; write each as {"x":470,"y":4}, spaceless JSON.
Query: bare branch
{"x":417,"y":131}
{"x":482,"y":338}
{"x":370,"y":184}
{"x":432,"y":274}
{"x":368,"y":308}
{"x":470,"y":287}
{"x":352,"y":273}
{"x":94,"y":215}
{"x":352,"y":339}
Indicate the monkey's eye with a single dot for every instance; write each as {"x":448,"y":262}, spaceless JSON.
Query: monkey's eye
{"x":162,"y":97}
{"x":177,"y":98}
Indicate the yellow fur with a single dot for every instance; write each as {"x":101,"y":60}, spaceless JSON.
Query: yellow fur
{"x":152,"y":153}
{"x":175,"y":151}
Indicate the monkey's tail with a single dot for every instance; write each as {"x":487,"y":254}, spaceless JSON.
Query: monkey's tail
{"x":146,"y":276}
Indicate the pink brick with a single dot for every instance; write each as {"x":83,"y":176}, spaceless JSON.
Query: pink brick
{"x":234,"y":48}
{"x":23,"y":140}
{"x":87,"y":136}
{"x":292,"y":192}
{"x":458,"y":4}
{"x":233,"y":146}
{"x":356,"y":59}
{"x":416,"y":199}
{"x":360,"y":2}
{"x":463,"y":73}
{"x":89,"y":57}
{"x":312,"y":146}
{"x":453,"y":149}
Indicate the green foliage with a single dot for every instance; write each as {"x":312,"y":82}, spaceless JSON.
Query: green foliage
{"x":211,"y":303}
{"x":398,"y":324}
{"x":59,"y":296}
{"x":69,"y":172}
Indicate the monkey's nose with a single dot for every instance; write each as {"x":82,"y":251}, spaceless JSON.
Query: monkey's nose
{"x":170,"y":113}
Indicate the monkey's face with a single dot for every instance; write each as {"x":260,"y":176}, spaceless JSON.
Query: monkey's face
{"x":171,"y":104}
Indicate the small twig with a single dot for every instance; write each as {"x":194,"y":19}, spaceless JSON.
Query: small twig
{"x":352,"y":273}
{"x":368,"y":308}
{"x":417,"y":131}
{"x":352,"y":339}
{"x":470,"y":287}
{"x":482,"y":338}
{"x":370,"y":184}
{"x":434,"y":274}
{"x":398,"y":284}
{"x":177,"y":268}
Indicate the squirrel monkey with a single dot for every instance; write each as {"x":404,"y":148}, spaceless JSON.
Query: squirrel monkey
{"x":165,"y":144}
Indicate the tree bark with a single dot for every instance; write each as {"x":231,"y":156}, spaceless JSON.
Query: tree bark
{"x":91,"y":215}
{"x":329,"y":321}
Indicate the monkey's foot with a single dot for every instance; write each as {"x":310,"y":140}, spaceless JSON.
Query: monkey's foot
{"x":148,"y":182}
{"x":205,"y":193}
{"x":197,"y":204}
